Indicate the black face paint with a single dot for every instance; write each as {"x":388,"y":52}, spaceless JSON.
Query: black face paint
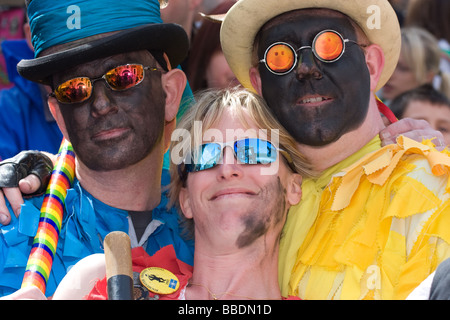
{"x":133,"y":124}
{"x":344,"y":84}
{"x":270,"y":212}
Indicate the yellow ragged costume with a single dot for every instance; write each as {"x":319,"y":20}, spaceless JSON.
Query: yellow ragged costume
{"x":376,"y":231}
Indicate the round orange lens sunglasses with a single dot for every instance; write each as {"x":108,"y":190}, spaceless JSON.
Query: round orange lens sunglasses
{"x":118,"y":79}
{"x":328,"y":46}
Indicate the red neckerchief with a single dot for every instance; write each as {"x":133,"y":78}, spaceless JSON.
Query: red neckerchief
{"x":384,"y":110}
{"x":165,"y":258}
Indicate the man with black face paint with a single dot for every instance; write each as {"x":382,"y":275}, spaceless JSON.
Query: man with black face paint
{"x":115,"y":97}
{"x":314,"y":111}
{"x":373,"y":224}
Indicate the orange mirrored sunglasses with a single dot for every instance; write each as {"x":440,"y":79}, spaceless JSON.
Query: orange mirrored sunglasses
{"x":118,"y":79}
{"x":328,"y":46}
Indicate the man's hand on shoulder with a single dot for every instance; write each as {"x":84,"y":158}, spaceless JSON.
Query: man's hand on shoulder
{"x":414,"y":129}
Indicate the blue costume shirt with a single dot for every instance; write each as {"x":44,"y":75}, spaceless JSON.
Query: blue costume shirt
{"x":85,"y":224}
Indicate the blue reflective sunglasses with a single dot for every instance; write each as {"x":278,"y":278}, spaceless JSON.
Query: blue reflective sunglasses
{"x":246,"y":151}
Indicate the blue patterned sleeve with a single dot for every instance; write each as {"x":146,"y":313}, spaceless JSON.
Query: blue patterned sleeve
{"x":15,"y":245}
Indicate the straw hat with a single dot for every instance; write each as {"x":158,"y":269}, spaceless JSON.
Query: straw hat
{"x":241,"y":24}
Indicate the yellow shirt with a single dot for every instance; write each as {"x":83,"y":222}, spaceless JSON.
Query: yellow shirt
{"x":372,"y":227}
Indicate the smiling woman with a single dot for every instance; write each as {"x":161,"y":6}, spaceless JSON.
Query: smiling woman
{"x":250,"y":116}
{"x":232,"y":206}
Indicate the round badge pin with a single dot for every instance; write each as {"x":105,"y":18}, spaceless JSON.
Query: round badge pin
{"x":159,"y":280}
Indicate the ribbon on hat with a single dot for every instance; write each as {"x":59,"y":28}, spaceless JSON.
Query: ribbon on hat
{"x":51,"y":21}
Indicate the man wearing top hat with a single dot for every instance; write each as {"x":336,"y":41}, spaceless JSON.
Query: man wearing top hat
{"x":374,"y":223}
{"x":115,"y":95}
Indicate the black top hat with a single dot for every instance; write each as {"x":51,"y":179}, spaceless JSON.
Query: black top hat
{"x":132,"y":32}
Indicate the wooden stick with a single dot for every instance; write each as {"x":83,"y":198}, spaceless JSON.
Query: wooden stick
{"x":119,"y":270}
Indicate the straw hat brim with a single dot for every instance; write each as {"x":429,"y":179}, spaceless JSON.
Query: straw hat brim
{"x":241,"y":24}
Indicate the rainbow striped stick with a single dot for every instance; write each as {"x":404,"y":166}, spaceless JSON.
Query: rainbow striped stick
{"x":44,"y":245}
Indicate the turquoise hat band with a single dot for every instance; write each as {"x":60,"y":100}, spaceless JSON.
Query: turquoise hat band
{"x":55,"y":22}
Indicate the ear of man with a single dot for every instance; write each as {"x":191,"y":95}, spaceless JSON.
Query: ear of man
{"x":375,"y":61}
{"x":173,"y":83}
{"x":255,"y":79}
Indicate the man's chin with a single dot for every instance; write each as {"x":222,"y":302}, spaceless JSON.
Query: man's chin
{"x":318,"y":139}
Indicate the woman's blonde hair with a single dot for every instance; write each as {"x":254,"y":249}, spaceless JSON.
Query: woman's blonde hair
{"x":208,"y":109}
{"x":421,"y":51}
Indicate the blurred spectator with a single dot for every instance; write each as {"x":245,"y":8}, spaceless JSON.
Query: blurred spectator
{"x":25,"y":119}
{"x":425,"y":103}
{"x":207,"y":67}
{"x":400,"y":9}
{"x":418,"y":64}
{"x":12,"y":18}
{"x":433,"y":16}
{"x":182,"y":12}
{"x":205,"y":7}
